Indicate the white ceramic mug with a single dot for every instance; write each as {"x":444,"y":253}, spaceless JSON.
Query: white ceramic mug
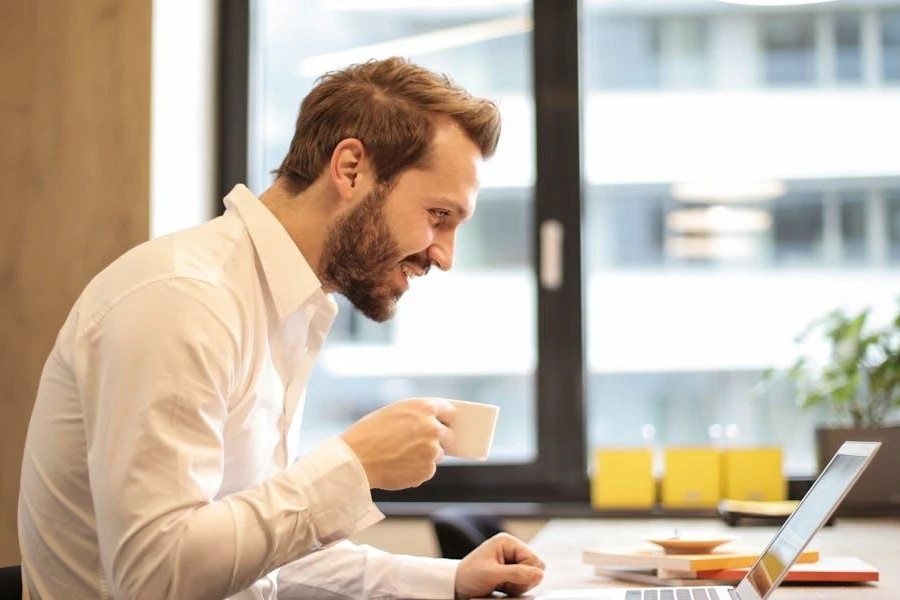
{"x":473,"y":429}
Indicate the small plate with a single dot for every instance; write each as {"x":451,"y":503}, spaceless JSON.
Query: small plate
{"x":689,"y":543}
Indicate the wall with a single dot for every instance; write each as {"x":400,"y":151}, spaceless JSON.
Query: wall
{"x":75,"y":117}
{"x":184,"y":108}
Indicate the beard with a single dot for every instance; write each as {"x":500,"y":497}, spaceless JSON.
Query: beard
{"x":359,"y":256}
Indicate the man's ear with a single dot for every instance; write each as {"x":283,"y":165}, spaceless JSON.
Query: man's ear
{"x":347,"y":168}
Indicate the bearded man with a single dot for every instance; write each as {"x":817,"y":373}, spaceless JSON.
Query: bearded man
{"x":160,"y":460}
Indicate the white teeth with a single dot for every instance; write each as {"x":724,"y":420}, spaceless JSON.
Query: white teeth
{"x":408,"y":271}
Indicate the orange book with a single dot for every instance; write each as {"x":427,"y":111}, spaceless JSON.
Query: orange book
{"x":841,"y":569}
{"x":650,"y":557}
{"x":837,"y":569}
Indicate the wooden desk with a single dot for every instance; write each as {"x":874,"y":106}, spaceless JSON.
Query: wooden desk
{"x":876,"y":541}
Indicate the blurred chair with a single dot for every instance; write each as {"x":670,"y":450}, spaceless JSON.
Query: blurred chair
{"x":459,"y":532}
{"x":11,"y":583}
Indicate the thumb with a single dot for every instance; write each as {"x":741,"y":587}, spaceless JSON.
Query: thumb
{"x":518,"y":579}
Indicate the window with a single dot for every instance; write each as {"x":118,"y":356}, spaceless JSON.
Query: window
{"x":854,"y":230}
{"x":797,"y":228}
{"x":625,"y":53}
{"x":705,"y":229}
{"x":498,"y":351}
{"x":893,"y":223}
{"x":496,"y":237}
{"x":685,"y":52}
{"x":789,"y":44}
{"x":890,"y":40}
{"x":848,"y":46}
{"x":626,"y":226}
{"x":714,"y":197}
{"x":647,"y":52}
{"x":419,"y":352}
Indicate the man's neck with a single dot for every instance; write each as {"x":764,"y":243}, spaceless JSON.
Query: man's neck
{"x":307,"y":218}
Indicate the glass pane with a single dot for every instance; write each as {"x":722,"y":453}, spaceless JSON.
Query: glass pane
{"x":893,"y":223}
{"x":624,"y":53}
{"x":634,"y":231}
{"x":890,"y":40}
{"x":847,"y":37}
{"x":721,"y":219}
{"x":466,"y":334}
{"x":686,"y":52}
{"x":797,"y":228}
{"x":789,"y":45}
{"x":854,"y":231}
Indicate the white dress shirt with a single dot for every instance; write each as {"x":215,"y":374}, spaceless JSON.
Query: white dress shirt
{"x":160,"y":458}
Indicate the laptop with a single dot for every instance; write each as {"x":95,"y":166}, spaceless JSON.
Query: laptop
{"x":771,"y":567}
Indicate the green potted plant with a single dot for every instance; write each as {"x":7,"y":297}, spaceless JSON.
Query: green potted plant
{"x":858,"y":382}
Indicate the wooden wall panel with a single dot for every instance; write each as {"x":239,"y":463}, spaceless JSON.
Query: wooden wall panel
{"x":74,"y":175}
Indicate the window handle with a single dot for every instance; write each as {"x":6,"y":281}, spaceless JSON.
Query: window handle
{"x":551,"y":271}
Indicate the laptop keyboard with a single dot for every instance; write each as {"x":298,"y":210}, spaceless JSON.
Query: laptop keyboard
{"x":672,"y":594}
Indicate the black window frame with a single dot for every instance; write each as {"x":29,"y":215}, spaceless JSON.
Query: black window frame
{"x":559,"y":473}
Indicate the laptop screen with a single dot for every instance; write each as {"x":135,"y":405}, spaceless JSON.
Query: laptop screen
{"x":817,"y":506}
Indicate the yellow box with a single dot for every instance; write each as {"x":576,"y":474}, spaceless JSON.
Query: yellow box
{"x":753,"y":474}
{"x":692,"y":477}
{"x":623,"y":478}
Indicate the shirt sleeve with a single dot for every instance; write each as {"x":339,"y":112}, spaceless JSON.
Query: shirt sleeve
{"x":156,"y":373}
{"x":350,"y":571}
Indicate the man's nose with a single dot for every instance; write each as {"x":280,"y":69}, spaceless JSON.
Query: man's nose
{"x":441,"y":252}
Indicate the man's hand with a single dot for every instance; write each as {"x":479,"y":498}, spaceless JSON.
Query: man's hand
{"x":501,"y":564}
{"x":400,"y":445}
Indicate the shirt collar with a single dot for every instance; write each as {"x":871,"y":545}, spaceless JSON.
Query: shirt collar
{"x":290,"y":278}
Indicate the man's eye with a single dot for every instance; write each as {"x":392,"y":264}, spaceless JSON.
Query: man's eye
{"x":440,"y":213}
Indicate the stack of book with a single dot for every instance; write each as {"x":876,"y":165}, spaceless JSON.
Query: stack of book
{"x":722,"y":566}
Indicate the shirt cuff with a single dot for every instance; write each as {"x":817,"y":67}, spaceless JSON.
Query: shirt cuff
{"x":421,"y":578}
{"x":342,"y":498}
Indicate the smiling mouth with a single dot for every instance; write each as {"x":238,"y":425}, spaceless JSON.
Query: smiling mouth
{"x":411,"y":272}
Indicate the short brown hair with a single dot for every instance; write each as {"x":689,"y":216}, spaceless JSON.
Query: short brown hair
{"x":390,"y":106}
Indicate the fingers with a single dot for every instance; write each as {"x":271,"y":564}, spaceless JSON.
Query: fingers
{"x":518,"y":579}
{"x":443,"y":410}
{"x":444,"y":413}
{"x":523,"y":568}
{"x":439,"y":453}
{"x":533,"y":561}
{"x":515,"y":551}
{"x":501,"y":564}
{"x":445,"y":437}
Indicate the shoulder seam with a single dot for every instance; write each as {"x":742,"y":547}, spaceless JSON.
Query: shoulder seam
{"x":98,"y":318}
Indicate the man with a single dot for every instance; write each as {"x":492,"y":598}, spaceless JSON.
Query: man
{"x":160,"y":457}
